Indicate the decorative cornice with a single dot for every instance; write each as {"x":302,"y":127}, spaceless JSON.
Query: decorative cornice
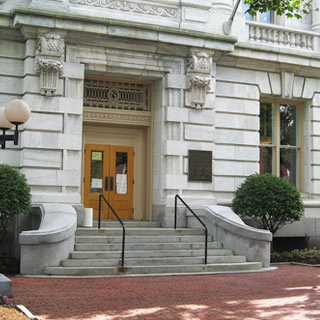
{"x":130,"y":6}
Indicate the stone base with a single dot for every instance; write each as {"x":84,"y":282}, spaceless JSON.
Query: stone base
{"x":5,"y":286}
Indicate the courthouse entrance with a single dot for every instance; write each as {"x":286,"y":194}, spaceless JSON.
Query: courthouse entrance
{"x":109,"y":171}
{"x":117,"y":147}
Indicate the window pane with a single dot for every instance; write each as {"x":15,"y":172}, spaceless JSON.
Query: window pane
{"x":121,"y":172}
{"x":245,"y":7}
{"x":288,"y":125}
{"x":266,"y":123}
{"x":266,"y":159}
{"x":289,"y":164}
{"x":96,"y":171}
{"x":266,"y":17}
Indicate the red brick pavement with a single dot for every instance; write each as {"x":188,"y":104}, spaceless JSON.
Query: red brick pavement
{"x":289,"y":293}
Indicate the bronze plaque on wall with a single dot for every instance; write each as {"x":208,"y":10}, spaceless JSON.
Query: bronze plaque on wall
{"x":200,"y":166}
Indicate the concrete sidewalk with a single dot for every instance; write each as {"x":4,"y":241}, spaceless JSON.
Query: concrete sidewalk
{"x":289,"y":293}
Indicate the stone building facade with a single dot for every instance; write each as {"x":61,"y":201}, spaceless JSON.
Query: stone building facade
{"x":161,"y":79}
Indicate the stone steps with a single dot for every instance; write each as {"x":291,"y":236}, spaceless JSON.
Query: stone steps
{"x":149,"y":249}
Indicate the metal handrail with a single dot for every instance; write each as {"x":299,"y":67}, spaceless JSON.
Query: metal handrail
{"x":175,"y":223}
{"x":101,"y":196}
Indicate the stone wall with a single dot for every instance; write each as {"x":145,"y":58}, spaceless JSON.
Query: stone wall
{"x":11,"y":87}
{"x":51,"y":141}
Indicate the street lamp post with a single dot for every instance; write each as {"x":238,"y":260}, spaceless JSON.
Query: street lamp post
{"x":15,"y":113}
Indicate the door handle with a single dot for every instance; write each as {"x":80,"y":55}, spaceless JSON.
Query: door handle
{"x":106,"y":183}
{"x":111,"y":183}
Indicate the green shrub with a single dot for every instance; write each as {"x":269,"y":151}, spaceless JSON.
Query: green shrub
{"x":311,"y":256}
{"x":269,"y":200}
{"x":15,"y":197}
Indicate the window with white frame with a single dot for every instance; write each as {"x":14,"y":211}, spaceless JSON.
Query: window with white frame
{"x":265,"y":17}
{"x":280,"y":140}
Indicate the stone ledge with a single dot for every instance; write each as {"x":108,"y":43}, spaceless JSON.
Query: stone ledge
{"x":5,"y":286}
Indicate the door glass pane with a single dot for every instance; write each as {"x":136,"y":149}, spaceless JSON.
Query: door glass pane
{"x":266,"y":123}
{"x":288,"y":125}
{"x":121,"y":172}
{"x":96,"y":171}
{"x":289,"y":164}
{"x":266,"y":159}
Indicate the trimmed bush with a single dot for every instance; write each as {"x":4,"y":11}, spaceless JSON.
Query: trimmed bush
{"x":269,"y":200}
{"x":310,"y":256}
{"x":15,"y":197}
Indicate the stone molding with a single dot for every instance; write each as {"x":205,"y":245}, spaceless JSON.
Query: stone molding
{"x":49,"y":62}
{"x":118,"y":116}
{"x":131,"y":6}
{"x":199,"y":68}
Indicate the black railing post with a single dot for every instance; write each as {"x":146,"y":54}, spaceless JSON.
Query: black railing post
{"x":175,"y":212}
{"x":123,"y":243}
{"x":99,"y":220}
{"x":206,"y":248}
{"x":206,"y":230}
{"x":123,"y":228}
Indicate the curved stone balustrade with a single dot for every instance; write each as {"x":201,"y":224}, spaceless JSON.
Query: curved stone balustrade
{"x":52,"y":242}
{"x":228,"y":228}
{"x":279,"y":36}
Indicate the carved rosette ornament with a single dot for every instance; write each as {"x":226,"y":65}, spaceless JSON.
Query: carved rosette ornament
{"x":48,"y":62}
{"x":199,"y":68}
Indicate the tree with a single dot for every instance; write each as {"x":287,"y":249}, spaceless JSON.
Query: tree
{"x":289,"y":8}
{"x":15,"y":197}
{"x":271,"y":201}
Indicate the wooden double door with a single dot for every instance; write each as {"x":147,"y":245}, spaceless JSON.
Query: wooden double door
{"x":109,"y":171}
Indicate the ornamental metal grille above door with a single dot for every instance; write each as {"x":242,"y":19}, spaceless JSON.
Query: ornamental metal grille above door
{"x":117,"y":94}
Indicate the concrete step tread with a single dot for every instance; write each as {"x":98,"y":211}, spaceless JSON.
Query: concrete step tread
{"x":139,"y":239}
{"x":137,"y":231}
{"x":159,"y":269}
{"x":147,"y":261}
{"x":127,"y":223}
{"x":147,"y":246}
{"x":149,"y":253}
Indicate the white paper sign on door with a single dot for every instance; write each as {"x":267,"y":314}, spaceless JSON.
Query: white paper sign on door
{"x":96,"y":183}
{"x":121,"y":181}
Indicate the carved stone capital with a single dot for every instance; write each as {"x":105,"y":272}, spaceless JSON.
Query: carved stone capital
{"x":199,"y":69}
{"x":51,"y":45}
{"x":49,"y":61}
{"x":49,"y":65}
{"x":199,"y":62}
{"x":202,"y":81}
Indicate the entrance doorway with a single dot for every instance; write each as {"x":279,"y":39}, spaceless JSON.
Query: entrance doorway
{"x":109,"y":171}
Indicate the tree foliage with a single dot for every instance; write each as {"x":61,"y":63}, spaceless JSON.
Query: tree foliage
{"x":15,"y":197}
{"x":289,"y":8}
{"x":271,"y":201}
